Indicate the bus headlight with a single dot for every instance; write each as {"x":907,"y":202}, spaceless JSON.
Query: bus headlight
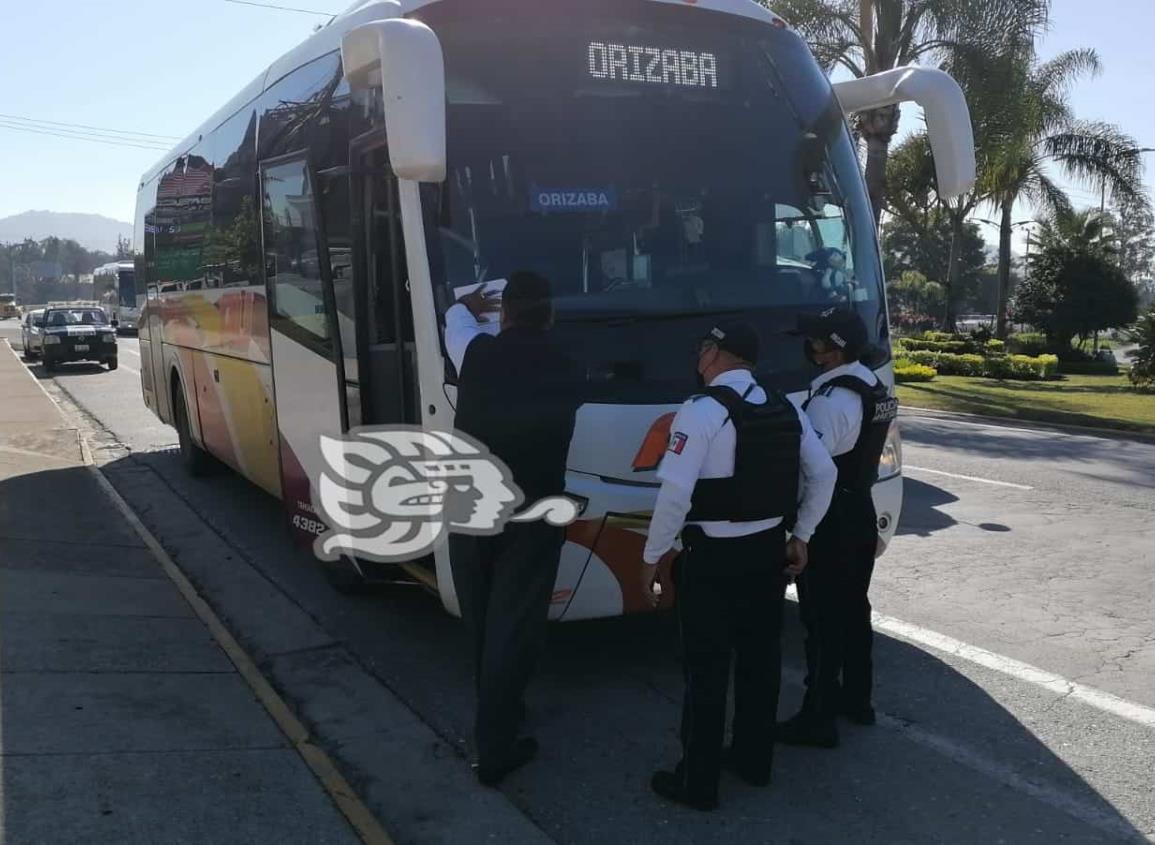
{"x":890,"y":464}
{"x":50,"y":339}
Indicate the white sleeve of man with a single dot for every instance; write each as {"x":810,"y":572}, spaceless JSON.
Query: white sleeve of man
{"x":679,"y":470}
{"x":461,"y":327}
{"x":817,"y":477}
{"x":836,"y":420}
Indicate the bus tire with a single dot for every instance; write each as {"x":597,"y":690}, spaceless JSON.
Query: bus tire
{"x":113,"y":363}
{"x":197,"y":462}
{"x":345,"y":579}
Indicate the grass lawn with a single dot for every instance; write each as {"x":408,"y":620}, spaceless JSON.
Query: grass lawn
{"x":1100,"y":401}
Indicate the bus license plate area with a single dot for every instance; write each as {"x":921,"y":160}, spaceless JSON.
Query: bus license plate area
{"x":81,"y":347}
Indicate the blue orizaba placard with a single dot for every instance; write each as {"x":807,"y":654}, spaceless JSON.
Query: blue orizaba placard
{"x":562,"y":200}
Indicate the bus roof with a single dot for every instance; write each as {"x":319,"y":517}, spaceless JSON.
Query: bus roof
{"x":115,"y":266}
{"x":328,"y":39}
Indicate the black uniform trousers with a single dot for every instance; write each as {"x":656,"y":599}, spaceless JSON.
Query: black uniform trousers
{"x":730,"y":594}
{"x":835,"y":607}
{"x":505,"y":585}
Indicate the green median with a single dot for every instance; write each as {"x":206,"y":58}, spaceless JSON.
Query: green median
{"x":1097,"y":401}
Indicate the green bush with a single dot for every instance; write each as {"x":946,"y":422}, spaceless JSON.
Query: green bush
{"x":994,"y":346}
{"x":1088,"y":368}
{"x":941,"y":337}
{"x":1028,"y":343}
{"x":948,"y":364}
{"x":1019,"y":367}
{"x":958,"y":347}
{"x":914,"y":373}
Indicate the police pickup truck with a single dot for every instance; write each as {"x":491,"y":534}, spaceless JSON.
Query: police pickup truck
{"x":77,"y":334}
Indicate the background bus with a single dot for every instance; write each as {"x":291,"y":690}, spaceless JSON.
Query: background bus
{"x":9,"y":310}
{"x":114,"y":286}
{"x":661,"y":163}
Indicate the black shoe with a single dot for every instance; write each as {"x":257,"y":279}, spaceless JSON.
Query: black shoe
{"x":669,"y":786}
{"x":864,"y":716}
{"x":754,"y":776}
{"x":807,"y":730}
{"x":521,"y":752}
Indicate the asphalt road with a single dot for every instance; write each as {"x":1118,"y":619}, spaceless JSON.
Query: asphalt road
{"x":1016,"y":656}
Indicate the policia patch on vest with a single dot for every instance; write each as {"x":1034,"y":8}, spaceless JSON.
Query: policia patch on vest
{"x":858,"y":468}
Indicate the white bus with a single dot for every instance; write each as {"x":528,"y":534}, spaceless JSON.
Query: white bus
{"x":114,"y":287}
{"x":660,"y":161}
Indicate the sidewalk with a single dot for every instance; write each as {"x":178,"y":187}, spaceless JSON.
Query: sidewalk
{"x":121,"y":720}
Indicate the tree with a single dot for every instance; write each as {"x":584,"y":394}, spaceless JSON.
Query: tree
{"x":1134,"y":228}
{"x":914,"y":300}
{"x":1075,"y":289}
{"x":1043,"y":131}
{"x":871,"y":36}
{"x":1143,"y":358}
{"x":925,"y":247}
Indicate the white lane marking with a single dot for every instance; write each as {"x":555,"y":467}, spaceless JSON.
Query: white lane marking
{"x":1001,"y":772}
{"x":1074,"y":430}
{"x":1140,"y":714}
{"x":1057,"y":684}
{"x":968,"y":477}
{"x":130,"y":351}
{"x":130,"y":369}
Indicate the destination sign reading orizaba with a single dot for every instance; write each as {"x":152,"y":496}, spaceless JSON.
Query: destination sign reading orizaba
{"x":653,"y":65}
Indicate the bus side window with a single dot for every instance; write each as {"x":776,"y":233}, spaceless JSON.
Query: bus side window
{"x":292,"y":249}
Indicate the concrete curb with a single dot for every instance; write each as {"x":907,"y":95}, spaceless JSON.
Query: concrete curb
{"x":1032,"y":425}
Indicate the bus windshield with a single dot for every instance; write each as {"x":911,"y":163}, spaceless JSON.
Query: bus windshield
{"x":653,"y":162}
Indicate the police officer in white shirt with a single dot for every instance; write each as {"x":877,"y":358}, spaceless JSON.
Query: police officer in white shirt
{"x":737,"y":459}
{"x":851,"y":410}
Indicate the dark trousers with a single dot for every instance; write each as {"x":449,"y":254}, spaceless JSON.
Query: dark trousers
{"x":730,"y":594}
{"x":835,"y":608}
{"x":505,"y":584}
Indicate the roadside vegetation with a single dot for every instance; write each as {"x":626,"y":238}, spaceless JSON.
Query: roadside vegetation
{"x":1086,"y":272}
{"x":1098,"y":401}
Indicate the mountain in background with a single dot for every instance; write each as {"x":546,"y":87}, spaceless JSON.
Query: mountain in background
{"x":91,"y":231}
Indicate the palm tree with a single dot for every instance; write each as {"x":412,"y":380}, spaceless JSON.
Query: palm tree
{"x":1077,"y":231}
{"x":867,"y":37}
{"x":1045,"y":132}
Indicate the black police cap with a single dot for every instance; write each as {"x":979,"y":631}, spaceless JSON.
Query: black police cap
{"x":838,"y":327}
{"x":736,"y":337}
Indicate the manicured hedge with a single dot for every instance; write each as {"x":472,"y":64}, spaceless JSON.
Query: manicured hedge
{"x":955,"y":344}
{"x":1019,"y":367}
{"x":1088,"y":368}
{"x":1028,"y":343}
{"x":957,"y":347}
{"x":913,"y":373}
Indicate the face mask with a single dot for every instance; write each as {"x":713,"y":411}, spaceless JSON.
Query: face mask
{"x":808,"y":351}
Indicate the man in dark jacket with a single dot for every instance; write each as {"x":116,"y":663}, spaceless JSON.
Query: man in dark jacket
{"x":517,"y":394}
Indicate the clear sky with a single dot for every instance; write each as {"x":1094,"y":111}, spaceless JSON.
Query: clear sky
{"x":161,"y":67}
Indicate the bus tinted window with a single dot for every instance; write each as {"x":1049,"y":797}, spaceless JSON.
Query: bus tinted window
{"x":232,"y":249}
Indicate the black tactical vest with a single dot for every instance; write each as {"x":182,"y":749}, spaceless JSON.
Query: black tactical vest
{"x":858,"y":468}
{"x":766,"y":462}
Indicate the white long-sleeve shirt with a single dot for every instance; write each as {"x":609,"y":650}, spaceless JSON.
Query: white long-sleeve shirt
{"x":461,"y":327}
{"x":837,"y":414}
{"x":702,"y":445}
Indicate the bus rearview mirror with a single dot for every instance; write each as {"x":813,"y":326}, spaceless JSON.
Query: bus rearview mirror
{"x":948,"y":120}
{"x":403,"y":58}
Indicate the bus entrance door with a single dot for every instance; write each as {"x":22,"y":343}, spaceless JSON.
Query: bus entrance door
{"x":305,"y":340}
{"x":386,"y":336}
